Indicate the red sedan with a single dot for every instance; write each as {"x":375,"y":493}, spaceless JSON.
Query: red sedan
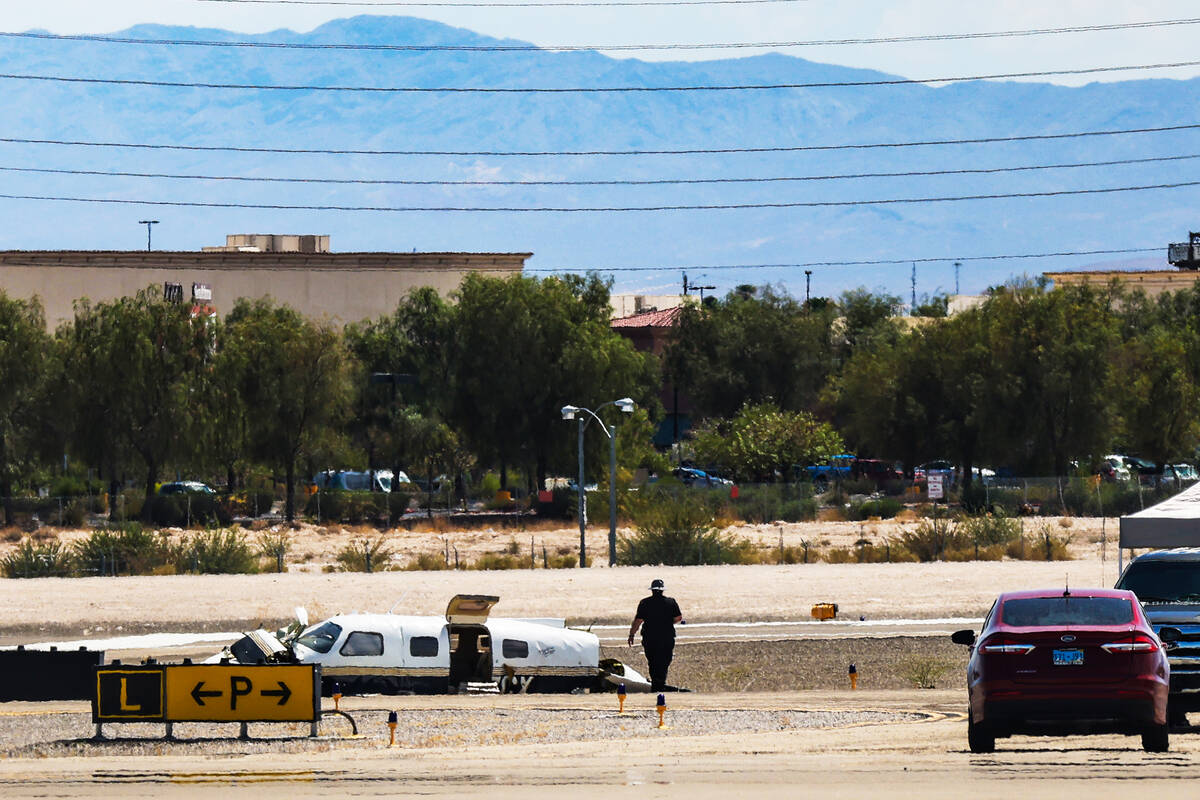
{"x":1055,"y":662}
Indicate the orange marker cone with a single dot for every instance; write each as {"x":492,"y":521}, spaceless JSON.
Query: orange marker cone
{"x":393,"y":718}
{"x":661,"y":707}
{"x":621,"y":698}
{"x":853,"y":677}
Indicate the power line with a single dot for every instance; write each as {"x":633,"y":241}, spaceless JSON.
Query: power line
{"x":603,"y":209}
{"x":614,"y":182}
{"x":861,"y":263}
{"x":584,"y":89}
{"x":523,"y":153}
{"x":519,"y":4}
{"x":501,"y":48}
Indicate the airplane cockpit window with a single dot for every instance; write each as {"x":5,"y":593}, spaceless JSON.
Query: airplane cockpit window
{"x":515,"y":648}
{"x":423,"y":646}
{"x":321,"y":638}
{"x":362,"y":643}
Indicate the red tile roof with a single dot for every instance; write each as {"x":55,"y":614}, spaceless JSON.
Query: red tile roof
{"x":648,"y":319}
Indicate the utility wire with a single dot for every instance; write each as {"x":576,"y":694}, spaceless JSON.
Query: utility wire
{"x":862,"y":263}
{"x":602,"y":209}
{"x":585,"y":89}
{"x":686,"y":151}
{"x":614,"y":182}
{"x":566,"y":48}
{"x":520,"y":4}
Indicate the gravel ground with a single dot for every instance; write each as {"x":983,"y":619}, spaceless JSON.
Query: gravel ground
{"x":66,"y":734}
{"x":898,"y":662}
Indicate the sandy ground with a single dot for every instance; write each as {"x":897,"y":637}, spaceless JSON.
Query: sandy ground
{"x":790,"y":727}
{"x":885,"y":744}
{"x":314,"y":549}
{"x":38,"y":608}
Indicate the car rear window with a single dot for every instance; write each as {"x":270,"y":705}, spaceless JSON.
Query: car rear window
{"x":1047,"y":611}
{"x":1163,"y":581}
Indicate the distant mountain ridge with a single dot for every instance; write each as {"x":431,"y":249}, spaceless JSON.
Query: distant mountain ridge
{"x":313,"y":119}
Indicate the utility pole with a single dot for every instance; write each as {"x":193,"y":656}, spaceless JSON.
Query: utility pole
{"x":957,"y":264}
{"x":147,"y":223}
{"x":913,"y":308}
{"x":807,"y":285}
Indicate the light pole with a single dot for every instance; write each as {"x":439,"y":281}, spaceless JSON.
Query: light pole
{"x":147,"y":223}
{"x":586,"y":415}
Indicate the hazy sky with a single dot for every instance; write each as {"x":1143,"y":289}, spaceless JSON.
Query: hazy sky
{"x":785,"y":21}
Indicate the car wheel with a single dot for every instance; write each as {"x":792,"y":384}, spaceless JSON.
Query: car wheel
{"x":1156,"y":739}
{"x":979,"y":737}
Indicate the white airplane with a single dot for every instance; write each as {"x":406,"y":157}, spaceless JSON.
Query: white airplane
{"x":464,"y":651}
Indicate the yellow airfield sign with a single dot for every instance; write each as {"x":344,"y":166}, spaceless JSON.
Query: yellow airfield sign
{"x":238,"y":693}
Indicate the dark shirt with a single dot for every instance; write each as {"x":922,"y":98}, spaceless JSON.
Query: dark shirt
{"x":657,"y":613}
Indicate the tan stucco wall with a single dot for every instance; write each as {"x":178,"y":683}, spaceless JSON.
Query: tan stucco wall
{"x":1152,"y":282}
{"x":342,"y":287}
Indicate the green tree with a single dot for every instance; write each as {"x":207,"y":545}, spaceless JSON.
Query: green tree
{"x":295,"y":384}
{"x":24,"y":349}
{"x":524,"y":348}
{"x":763,"y":442}
{"x":130,"y":363}
{"x":1157,"y":395}
{"x":752,"y":347}
{"x":1052,"y":352}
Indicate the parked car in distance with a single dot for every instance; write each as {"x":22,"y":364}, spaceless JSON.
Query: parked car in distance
{"x":1185,"y":472}
{"x":185,"y":487}
{"x":878,"y":470}
{"x":690,"y":476}
{"x":1113,"y":468}
{"x":941,"y":467}
{"x":351,"y":481}
{"x":1054,"y":662}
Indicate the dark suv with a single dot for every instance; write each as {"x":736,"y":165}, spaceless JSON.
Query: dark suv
{"x":1167,"y":582}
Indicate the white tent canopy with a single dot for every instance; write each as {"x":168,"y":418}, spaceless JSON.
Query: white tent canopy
{"x":1175,"y":522}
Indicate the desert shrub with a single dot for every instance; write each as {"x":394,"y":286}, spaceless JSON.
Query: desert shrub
{"x":214,"y":553}
{"x":923,"y":672}
{"x":932,"y":538}
{"x":274,"y":546}
{"x":427,"y":562}
{"x":674,"y":527}
{"x":187,"y":509}
{"x":839,"y":555}
{"x":121,"y":549}
{"x":44,"y":560}
{"x":990,"y":529}
{"x":771,"y":502}
{"x":365,"y":555}
{"x":883,"y":508}
{"x":489,"y":561}
{"x":973,"y":552}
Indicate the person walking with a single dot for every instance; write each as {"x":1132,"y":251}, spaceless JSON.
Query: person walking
{"x":657,"y":616}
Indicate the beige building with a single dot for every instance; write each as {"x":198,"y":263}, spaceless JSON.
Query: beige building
{"x":296,"y":270}
{"x":1153,"y":282}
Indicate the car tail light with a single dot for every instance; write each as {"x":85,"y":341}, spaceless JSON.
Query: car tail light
{"x":1006,"y":646}
{"x":1141,"y":643}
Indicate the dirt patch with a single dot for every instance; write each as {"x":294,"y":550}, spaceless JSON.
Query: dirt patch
{"x":900,"y":662}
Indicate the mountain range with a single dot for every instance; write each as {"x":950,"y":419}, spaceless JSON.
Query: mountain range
{"x":616,"y":241}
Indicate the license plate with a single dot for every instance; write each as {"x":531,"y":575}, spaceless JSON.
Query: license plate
{"x":1068,"y":658}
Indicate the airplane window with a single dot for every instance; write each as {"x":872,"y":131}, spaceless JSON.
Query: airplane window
{"x":321,"y":638}
{"x":423,"y":646}
{"x":361,"y":643}
{"x":515,"y":648}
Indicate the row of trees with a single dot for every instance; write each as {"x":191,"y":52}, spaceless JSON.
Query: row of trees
{"x":1033,"y":378}
{"x":1041,"y":380}
{"x":141,"y":386}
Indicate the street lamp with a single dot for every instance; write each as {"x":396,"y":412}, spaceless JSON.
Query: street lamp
{"x":585,"y":415}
